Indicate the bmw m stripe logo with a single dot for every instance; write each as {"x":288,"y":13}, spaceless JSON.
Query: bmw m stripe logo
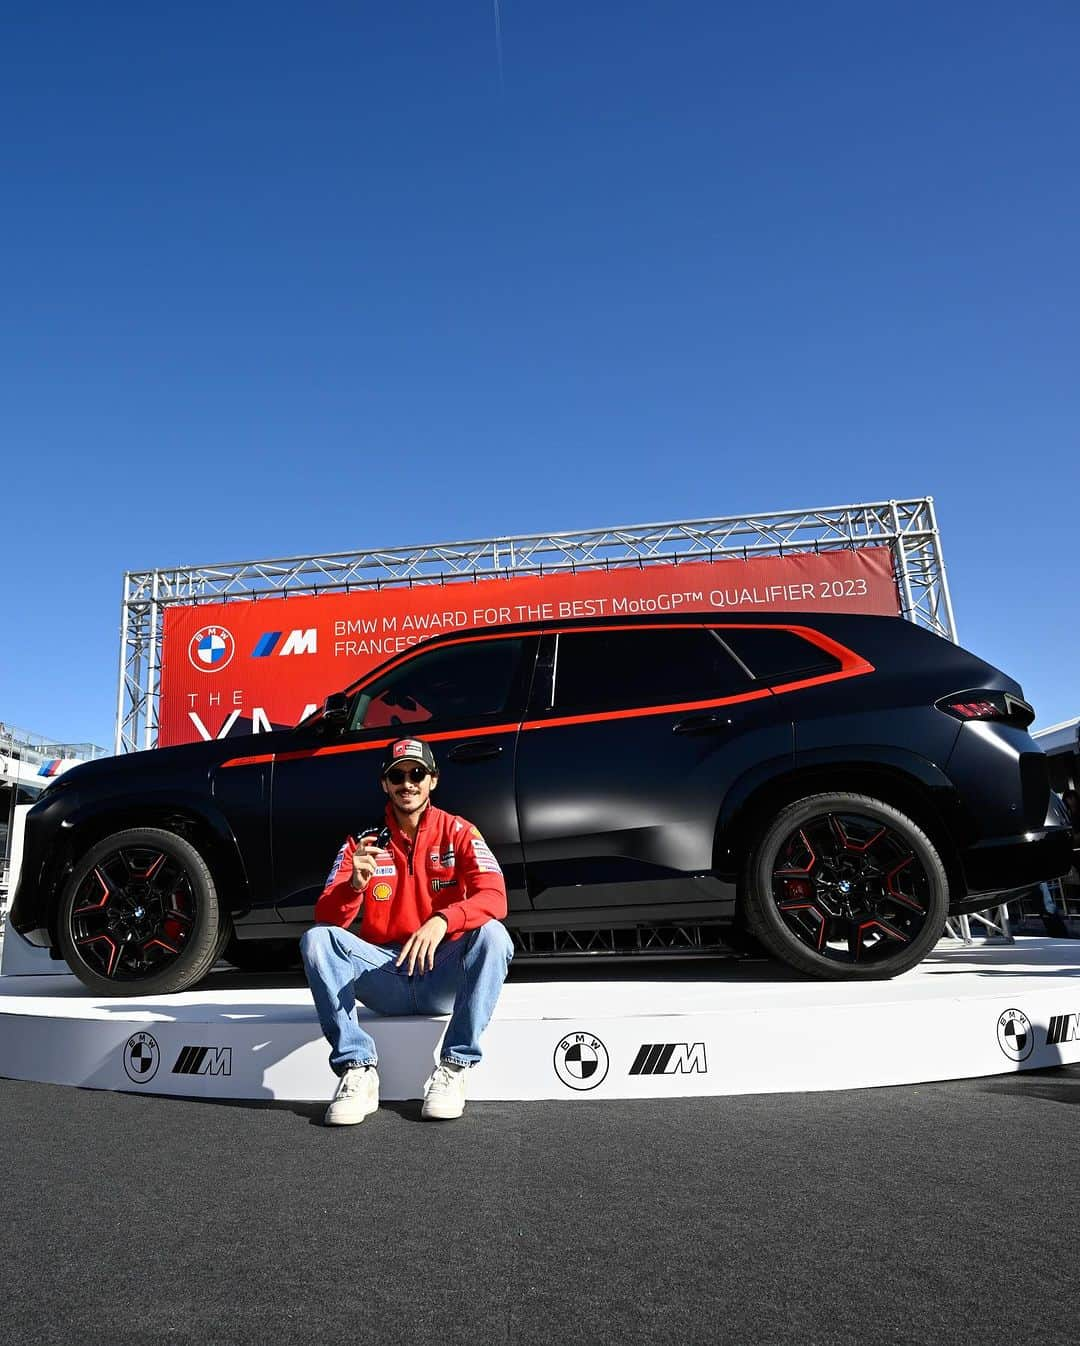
{"x":296,"y":642}
{"x":203,"y":1061}
{"x":266,"y":644}
{"x":670,"y":1058}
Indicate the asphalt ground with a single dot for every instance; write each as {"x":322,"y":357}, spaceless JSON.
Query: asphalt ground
{"x":936,"y":1213}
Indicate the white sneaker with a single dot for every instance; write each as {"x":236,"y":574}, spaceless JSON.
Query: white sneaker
{"x":444,"y":1093}
{"x":357,"y":1096}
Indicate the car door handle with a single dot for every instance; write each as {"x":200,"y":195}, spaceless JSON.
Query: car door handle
{"x":701,"y":724}
{"x":474,"y":752}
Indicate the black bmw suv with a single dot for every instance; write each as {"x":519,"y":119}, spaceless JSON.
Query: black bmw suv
{"x":831,"y":786}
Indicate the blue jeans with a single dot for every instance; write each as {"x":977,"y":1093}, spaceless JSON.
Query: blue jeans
{"x":464,"y":983}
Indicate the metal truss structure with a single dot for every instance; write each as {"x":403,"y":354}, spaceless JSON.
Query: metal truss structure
{"x":642,"y":941}
{"x":908,"y":527}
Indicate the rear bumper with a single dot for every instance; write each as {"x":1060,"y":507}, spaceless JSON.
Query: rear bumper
{"x":1001,"y":863}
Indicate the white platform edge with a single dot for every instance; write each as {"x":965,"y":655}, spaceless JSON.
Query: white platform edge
{"x":940,"y":1022}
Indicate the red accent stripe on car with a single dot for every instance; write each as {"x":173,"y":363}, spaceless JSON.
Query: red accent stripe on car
{"x":369,"y":745}
{"x":636,"y":711}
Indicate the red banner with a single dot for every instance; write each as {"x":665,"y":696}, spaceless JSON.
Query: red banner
{"x":229,"y":668}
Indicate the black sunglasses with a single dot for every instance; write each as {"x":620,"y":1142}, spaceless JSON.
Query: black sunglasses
{"x":398,"y":776}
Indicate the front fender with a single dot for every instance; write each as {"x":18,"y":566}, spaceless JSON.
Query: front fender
{"x":188,"y":813}
{"x":138,"y":805}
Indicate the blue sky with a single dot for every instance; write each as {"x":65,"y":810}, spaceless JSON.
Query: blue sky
{"x":279,"y":279}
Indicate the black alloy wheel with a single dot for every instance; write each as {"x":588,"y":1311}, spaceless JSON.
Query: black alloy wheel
{"x":844,"y":886}
{"x":140,"y":915}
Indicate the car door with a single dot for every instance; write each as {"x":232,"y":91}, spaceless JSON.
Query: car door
{"x":465,"y":697}
{"x":631,"y":739}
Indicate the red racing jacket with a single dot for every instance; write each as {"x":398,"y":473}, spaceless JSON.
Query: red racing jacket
{"x":446,"y":868}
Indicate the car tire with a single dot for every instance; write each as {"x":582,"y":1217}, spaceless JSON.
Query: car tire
{"x":139,"y":915}
{"x":224,"y":936}
{"x":262,"y":955}
{"x":845,"y":887}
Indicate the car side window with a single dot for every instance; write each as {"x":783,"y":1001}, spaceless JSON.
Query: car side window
{"x":773,"y":656}
{"x":467,"y":681}
{"x":650,"y":666}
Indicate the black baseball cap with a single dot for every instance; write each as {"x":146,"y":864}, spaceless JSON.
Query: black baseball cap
{"x":409,"y":750}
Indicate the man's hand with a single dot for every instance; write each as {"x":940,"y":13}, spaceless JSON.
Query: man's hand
{"x":420,"y":947}
{"x":364,"y":862}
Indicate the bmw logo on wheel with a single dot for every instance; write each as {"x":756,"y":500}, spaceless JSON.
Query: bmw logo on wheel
{"x":581,"y":1061}
{"x":1016,"y":1037}
{"x":141,"y":1057}
{"x":211,"y":649}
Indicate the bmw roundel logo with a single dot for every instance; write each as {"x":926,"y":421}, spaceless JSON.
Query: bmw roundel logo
{"x":211,"y":649}
{"x":141,"y":1058}
{"x":1015,"y":1035}
{"x":581,"y":1061}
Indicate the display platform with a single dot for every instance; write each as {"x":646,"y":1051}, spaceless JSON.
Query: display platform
{"x":630,"y":1030}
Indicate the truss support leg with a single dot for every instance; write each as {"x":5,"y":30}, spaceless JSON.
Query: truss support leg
{"x":959,"y":927}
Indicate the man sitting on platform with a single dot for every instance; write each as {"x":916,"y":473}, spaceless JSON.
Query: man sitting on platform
{"x":431,"y":898}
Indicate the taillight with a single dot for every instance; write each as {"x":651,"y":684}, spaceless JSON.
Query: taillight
{"x":984,"y":705}
{"x":973,"y":710}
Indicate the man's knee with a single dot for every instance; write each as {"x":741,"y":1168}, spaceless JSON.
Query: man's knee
{"x":316,"y":942}
{"x":492,"y":939}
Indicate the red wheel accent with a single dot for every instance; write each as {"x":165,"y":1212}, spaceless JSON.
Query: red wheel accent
{"x":150,"y":943}
{"x":113,"y":950}
{"x":151,"y":871}
{"x":105,"y":892}
{"x":809,"y":867}
{"x":879,"y":925}
{"x":846,"y":841}
{"x":894,"y":892}
{"x":809,"y":906}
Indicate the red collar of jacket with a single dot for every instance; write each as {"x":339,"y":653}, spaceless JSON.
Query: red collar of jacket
{"x":428,"y":819}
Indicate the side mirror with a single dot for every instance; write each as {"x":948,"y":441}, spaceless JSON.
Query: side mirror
{"x":335,"y":713}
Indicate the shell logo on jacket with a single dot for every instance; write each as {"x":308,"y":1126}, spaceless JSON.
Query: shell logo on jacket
{"x":446,"y":868}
